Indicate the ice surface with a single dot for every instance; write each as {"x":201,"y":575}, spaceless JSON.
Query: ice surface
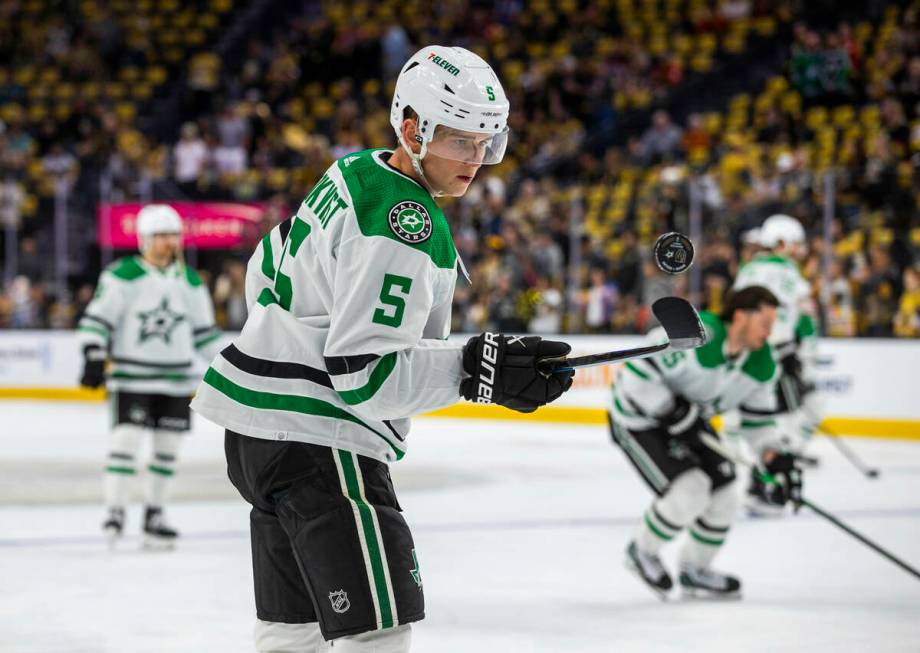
{"x":519,"y":530}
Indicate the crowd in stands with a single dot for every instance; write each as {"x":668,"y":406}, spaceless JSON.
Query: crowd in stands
{"x":558,"y":236}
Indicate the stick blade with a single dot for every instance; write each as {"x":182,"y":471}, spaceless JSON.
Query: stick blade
{"x":680,"y":321}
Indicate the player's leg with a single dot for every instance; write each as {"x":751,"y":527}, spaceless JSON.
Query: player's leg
{"x":171,"y":417}
{"x":709,"y":531}
{"x":355,"y":551}
{"x":129,"y":414}
{"x":286,"y":619}
{"x":671,"y":470}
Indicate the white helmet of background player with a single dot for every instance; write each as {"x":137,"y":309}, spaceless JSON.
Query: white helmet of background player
{"x":449,"y":89}
{"x":157,"y":219}
{"x":783,"y":233}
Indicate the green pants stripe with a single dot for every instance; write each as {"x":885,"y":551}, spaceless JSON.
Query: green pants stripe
{"x":371,"y":541}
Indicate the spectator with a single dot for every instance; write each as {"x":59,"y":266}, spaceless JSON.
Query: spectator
{"x":661,"y":141}
{"x":190,"y":158}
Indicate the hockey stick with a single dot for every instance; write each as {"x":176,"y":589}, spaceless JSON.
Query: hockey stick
{"x":680,"y":321}
{"x":849,"y":454}
{"x":716,"y":445}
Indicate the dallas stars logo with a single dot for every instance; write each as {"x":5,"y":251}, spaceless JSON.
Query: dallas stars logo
{"x":159,"y":322}
{"x":410,"y":222}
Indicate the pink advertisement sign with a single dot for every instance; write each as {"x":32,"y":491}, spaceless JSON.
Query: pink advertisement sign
{"x":208,"y":225}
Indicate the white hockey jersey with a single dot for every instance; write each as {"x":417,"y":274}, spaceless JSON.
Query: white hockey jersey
{"x":646,"y":389}
{"x":350,"y":305}
{"x":794,"y":326}
{"x":152,"y":322}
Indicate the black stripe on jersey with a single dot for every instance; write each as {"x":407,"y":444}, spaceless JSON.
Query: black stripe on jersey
{"x":653,"y":364}
{"x":757,"y":411}
{"x":131,"y":361}
{"x":98,"y":320}
{"x":115,"y":455}
{"x":278,"y":370}
{"x":668,"y":523}
{"x":165,"y":457}
{"x":348,"y":364}
{"x":394,"y":431}
{"x":284,"y":229}
{"x":714,"y":529}
{"x":199,"y":331}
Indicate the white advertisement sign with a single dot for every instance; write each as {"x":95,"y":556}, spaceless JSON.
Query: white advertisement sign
{"x":856,"y":377}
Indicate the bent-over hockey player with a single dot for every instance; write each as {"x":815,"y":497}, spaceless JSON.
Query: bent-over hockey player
{"x":346,"y":339}
{"x":659,"y":408}
{"x":793,"y":337}
{"x":151,"y":315}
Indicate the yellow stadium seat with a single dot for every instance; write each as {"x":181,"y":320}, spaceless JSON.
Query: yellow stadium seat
{"x":843,"y":115}
{"x":815,"y":118}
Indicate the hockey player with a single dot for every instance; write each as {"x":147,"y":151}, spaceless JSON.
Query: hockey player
{"x":346,"y":339}
{"x":793,"y":338}
{"x":661,"y":406}
{"x":150,"y":316}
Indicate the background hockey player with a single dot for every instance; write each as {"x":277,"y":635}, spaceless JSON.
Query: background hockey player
{"x":794,"y":335}
{"x":350,"y":308}
{"x":150,"y":316}
{"x":660,"y":407}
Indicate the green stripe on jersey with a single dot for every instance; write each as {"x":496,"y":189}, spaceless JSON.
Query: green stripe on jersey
{"x":288,"y":403}
{"x":206,"y":340}
{"x":119,"y":470}
{"x":756,"y":423}
{"x":267,"y":297}
{"x":162,"y":471}
{"x":664,"y":536}
{"x":635,"y":370}
{"x":164,"y":376}
{"x":380,"y":374}
{"x":91,"y":329}
{"x":374,"y":546}
{"x":268,"y":261}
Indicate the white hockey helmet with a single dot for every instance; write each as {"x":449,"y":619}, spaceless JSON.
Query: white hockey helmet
{"x":155,"y":219}
{"x":781,"y":228}
{"x":452,"y":89}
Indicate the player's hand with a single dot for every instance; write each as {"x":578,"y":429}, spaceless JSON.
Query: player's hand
{"x":93,"y":367}
{"x":787,"y":477}
{"x":503,"y":370}
{"x":683,"y":418}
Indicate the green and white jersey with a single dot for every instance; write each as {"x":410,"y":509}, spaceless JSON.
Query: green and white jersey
{"x":350,"y":305}
{"x":153,"y":322}
{"x":646,"y":389}
{"x":781,"y":276}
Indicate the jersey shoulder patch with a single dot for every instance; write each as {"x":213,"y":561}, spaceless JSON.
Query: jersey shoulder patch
{"x":127,"y":268}
{"x":387,"y":203}
{"x":711,"y":354}
{"x":760,"y":365}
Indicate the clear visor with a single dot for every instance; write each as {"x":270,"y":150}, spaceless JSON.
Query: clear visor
{"x":468,"y":147}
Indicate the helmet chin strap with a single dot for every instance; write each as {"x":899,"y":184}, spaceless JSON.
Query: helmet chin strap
{"x":416,"y":160}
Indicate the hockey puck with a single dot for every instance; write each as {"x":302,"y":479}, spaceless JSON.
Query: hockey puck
{"x":673,"y":252}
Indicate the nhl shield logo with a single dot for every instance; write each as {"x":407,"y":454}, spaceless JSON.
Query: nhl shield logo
{"x":339,"y":600}
{"x":410,"y":221}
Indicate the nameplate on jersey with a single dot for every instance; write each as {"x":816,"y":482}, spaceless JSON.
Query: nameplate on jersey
{"x":410,"y":222}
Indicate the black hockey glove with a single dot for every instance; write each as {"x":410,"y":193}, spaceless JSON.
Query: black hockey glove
{"x":787,"y":477}
{"x":684,"y":418}
{"x":503,"y":370}
{"x":93,"y":367}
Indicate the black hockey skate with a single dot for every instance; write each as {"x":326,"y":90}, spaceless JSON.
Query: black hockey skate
{"x":157,"y":533}
{"x":114,"y":526}
{"x":650,"y":570}
{"x":707,"y":583}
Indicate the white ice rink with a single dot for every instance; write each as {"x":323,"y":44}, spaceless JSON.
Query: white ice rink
{"x":519,"y":529}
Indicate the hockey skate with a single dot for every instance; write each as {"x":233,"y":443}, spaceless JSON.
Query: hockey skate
{"x":707,"y":583}
{"x":157,"y":533}
{"x":650,"y":570}
{"x":114,"y":526}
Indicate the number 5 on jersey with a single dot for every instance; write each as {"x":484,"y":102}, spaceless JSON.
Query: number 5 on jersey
{"x":393,"y":297}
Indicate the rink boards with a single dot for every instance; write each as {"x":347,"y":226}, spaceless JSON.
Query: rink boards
{"x":866,"y":384}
